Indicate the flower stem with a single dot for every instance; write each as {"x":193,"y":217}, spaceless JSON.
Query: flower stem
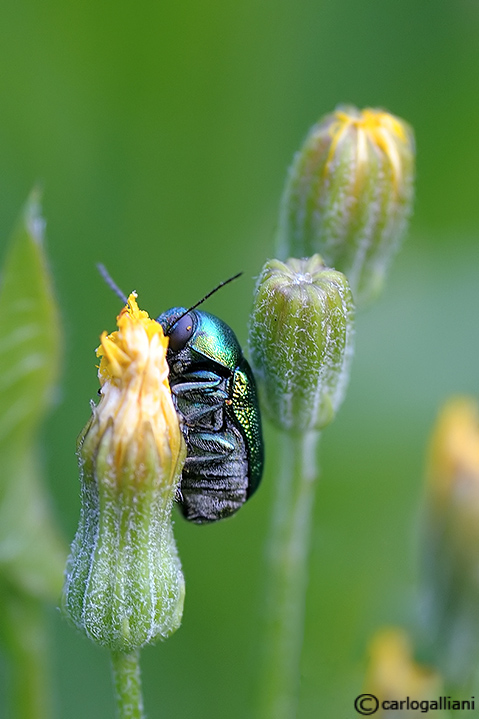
{"x":127,"y":679}
{"x":288,"y":552}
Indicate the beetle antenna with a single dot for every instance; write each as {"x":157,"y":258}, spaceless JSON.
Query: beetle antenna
{"x":218,"y":287}
{"x":111,"y":283}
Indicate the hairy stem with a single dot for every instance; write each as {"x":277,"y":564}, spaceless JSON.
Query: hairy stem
{"x":127,"y":679}
{"x":288,"y":552}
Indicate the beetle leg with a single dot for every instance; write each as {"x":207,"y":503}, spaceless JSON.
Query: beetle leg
{"x":178,"y":495}
{"x":209,"y":446}
{"x":207,"y":387}
{"x":191,"y":418}
{"x":201,"y":402}
{"x":185,"y":388}
{"x":200,"y":375}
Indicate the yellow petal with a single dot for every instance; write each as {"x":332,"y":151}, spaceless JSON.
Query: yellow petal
{"x":135,"y":391}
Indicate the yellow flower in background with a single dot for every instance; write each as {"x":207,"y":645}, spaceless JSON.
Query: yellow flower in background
{"x":348,"y":196}
{"x":393,"y":676}
{"x":453,"y":467}
{"x":124,"y":585}
{"x":450,"y":541}
{"x":386,"y":132}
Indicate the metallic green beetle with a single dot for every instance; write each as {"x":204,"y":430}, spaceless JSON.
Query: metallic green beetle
{"x":214,"y":392}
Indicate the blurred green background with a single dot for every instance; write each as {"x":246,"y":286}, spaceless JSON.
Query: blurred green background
{"x":161,"y":133}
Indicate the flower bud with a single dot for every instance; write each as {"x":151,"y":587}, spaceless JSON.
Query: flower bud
{"x":124,"y":586}
{"x":393,"y":676}
{"x":349,"y":194}
{"x":451,"y":540}
{"x":301,"y":333}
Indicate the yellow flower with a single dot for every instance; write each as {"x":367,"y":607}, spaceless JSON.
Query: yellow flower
{"x":453,"y":472}
{"x":349,"y":195}
{"x":452,"y":490}
{"x":133,"y":374}
{"x":393,"y":675}
{"x":381,"y":129}
{"x":124,"y":585}
{"x":450,"y":537}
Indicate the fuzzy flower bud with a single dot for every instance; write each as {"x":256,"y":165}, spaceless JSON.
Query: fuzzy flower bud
{"x":301,"y":334}
{"x":124,"y":586}
{"x":451,"y":540}
{"x":349,"y":194}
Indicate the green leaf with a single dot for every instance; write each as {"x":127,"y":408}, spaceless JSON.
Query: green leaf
{"x":29,"y":329}
{"x":31,"y":552}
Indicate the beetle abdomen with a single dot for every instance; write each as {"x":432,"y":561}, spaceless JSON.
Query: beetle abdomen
{"x":215,"y":479}
{"x":215,"y":476}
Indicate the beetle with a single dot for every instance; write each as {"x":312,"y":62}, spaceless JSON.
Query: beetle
{"x":214,"y":393}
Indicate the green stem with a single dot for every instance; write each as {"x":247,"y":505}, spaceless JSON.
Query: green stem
{"x":25,"y":638}
{"x":127,"y":679}
{"x":288,"y":552}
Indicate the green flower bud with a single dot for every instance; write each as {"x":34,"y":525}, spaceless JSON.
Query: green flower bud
{"x":450,"y":531}
{"x":124,"y":585}
{"x":301,"y":334}
{"x":349,"y":194}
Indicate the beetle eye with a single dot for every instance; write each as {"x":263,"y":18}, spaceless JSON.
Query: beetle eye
{"x":180,"y":333}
